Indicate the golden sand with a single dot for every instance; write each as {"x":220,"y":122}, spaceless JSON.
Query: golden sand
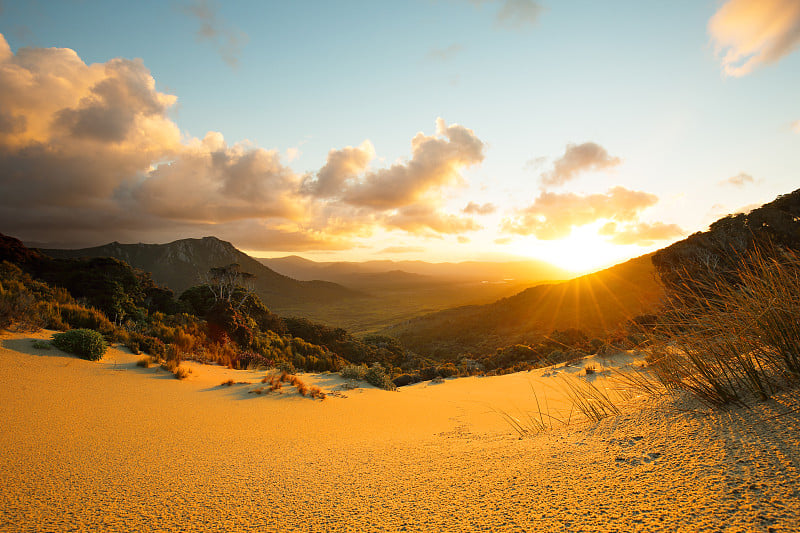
{"x":109,"y":446}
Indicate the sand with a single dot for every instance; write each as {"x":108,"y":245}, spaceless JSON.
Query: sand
{"x":109,"y":446}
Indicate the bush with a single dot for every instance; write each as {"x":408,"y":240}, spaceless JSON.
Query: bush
{"x":377,"y":376}
{"x":354,"y":372}
{"x":85,"y":343}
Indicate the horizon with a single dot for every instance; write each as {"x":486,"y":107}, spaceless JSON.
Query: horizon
{"x":364,"y":132}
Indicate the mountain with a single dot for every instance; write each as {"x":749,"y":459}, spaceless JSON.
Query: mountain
{"x":469,"y":271}
{"x":594,"y":303}
{"x":184,"y":263}
{"x":717,"y":250}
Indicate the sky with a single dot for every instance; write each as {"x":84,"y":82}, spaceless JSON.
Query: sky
{"x":577,"y":132}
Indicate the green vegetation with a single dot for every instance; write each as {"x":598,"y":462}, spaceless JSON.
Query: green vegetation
{"x":85,"y":343}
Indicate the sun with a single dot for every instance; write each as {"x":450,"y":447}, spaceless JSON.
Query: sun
{"x":583,"y":251}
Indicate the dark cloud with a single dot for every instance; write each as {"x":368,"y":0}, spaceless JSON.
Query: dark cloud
{"x":553,"y":215}
{"x":578,"y":158}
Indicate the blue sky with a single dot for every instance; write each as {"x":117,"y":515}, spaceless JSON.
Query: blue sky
{"x":640,"y":90}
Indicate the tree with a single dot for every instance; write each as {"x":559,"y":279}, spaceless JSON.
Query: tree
{"x":224,"y":282}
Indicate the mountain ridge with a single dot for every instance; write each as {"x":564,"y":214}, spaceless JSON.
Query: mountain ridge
{"x":183,"y":263}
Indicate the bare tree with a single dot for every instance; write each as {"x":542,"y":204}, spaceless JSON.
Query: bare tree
{"x":223,"y":282}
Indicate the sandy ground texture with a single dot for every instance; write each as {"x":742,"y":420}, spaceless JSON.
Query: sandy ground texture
{"x":109,"y":446}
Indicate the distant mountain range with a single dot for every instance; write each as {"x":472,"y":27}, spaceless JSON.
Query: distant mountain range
{"x":411,"y":272}
{"x":184,"y":263}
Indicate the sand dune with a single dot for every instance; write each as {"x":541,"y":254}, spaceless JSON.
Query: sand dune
{"x":108,"y":446}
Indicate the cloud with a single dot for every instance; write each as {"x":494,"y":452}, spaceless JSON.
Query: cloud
{"x":435,"y":163}
{"x":640,"y":233}
{"x":747,"y":34}
{"x":796,"y":126}
{"x":89,"y":154}
{"x":445,"y":54}
{"x":425,"y":220}
{"x":502,"y":240}
{"x":73,"y":134}
{"x":463,"y":239}
{"x":553,"y":215}
{"x":228,"y":41}
{"x":578,"y":158}
{"x":341,"y":166}
{"x":402,"y":250}
{"x":213,"y":182}
{"x":480,"y":209}
{"x":514,"y":14}
{"x":739,"y":180}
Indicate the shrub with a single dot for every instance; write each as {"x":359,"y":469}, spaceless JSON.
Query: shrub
{"x":85,"y":343}
{"x":377,"y":376}
{"x":354,"y":372}
{"x":181,"y":372}
{"x":144,"y":362}
{"x":41,"y":345}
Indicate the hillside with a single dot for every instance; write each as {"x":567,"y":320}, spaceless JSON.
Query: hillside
{"x":594,"y":303}
{"x":183,"y":263}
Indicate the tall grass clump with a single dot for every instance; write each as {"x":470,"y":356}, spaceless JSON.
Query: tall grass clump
{"x":84,"y":343}
{"x":729,"y":336}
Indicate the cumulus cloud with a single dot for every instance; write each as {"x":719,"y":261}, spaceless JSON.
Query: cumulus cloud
{"x":213,"y":182}
{"x":435,"y":163}
{"x":473,"y":208}
{"x":578,"y":158}
{"x":554,"y":215}
{"x":74,"y":134}
{"x":739,"y":180}
{"x":93,"y":149}
{"x":425,"y":220}
{"x":640,"y":233}
{"x":227,"y":40}
{"x":747,"y":34}
{"x":342,"y":165}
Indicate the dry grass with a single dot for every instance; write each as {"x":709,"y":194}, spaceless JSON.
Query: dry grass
{"x":144,"y":362}
{"x":726,"y":341}
{"x":531,"y":423}
{"x":276,"y":382}
{"x":595,"y":403}
{"x":181,"y":372}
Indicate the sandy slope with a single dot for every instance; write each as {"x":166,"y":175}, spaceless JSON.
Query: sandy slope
{"x":109,"y":446}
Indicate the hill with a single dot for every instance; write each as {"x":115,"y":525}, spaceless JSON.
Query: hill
{"x":594,"y":303}
{"x":183,"y":263}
